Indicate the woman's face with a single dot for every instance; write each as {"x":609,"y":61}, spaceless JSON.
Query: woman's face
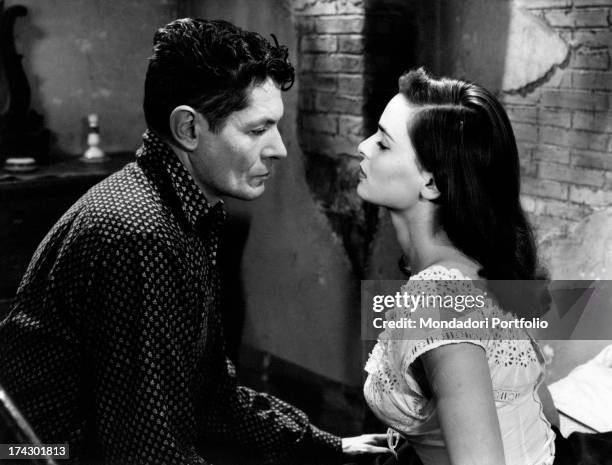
{"x":390,"y":175}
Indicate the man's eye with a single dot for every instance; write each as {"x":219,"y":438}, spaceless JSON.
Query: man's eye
{"x":258,"y":131}
{"x":381,"y":146}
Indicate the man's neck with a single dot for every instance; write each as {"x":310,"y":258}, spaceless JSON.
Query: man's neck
{"x":184,"y":158}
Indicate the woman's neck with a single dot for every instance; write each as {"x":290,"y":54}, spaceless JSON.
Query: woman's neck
{"x":422,"y":244}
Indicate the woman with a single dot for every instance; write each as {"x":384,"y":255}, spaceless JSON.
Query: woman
{"x":444,"y":163}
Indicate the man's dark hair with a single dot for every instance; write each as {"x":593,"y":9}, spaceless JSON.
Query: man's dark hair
{"x":208,"y":65}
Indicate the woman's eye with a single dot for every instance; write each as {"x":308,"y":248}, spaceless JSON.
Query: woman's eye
{"x":259,"y":131}
{"x":381,"y":146}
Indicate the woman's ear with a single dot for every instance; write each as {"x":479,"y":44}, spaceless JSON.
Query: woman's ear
{"x":184,"y":127}
{"x":429,"y":190}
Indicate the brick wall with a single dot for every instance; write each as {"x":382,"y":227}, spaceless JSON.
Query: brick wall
{"x":331,"y":67}
{"x":330,"y":74}
{"x":350,"y":54}
{"x":564,"y":125}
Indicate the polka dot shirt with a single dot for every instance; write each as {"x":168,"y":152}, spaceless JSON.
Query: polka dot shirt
{"x":114,"y":343}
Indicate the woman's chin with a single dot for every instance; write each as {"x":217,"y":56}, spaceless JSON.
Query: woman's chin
{"x":365,"y":193}
{"x":361,"y":191}
{"x":366,"y":198}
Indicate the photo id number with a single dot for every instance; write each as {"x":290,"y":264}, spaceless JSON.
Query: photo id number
{"x":34,"y":451}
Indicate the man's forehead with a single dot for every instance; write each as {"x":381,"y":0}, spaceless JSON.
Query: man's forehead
{"x":264,"y":102}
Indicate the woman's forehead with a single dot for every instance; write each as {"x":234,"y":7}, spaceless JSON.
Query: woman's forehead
{"x":396,"y":116}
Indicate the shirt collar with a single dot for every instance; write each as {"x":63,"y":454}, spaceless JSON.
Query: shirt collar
{"x":157,"y":154}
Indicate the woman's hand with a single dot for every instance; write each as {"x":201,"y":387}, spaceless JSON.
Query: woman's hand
{"x":365,"y":444}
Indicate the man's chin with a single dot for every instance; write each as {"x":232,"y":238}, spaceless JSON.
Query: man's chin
{"x":251,"y":193}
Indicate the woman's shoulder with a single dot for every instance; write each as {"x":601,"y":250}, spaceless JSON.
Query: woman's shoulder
{"x":448,"y":270}
{"x":441,"y":278}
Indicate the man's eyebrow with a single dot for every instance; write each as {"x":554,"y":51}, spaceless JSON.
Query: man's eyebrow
{"x":385,"y":132}
{"x":265,"y":121}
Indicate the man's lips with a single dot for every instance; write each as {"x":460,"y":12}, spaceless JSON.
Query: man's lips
{"x":362,"y":173}
{"x":261,"y":178}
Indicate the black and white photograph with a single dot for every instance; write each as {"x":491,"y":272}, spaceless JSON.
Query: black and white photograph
{"x":306,"y":232}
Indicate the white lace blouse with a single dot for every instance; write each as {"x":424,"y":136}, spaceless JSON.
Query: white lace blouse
{"x":394,"y":394}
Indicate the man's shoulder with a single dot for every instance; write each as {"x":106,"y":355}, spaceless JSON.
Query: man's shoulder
{"x":124,"y":216}
{"x":127,"y":203}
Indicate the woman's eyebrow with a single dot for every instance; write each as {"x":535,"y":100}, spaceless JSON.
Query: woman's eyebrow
{"x":385,"y":132}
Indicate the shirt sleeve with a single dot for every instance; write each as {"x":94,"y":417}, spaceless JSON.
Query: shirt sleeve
{"x":279,"y":432}
{"x":164,"y":385}
{"x":141,"y":347}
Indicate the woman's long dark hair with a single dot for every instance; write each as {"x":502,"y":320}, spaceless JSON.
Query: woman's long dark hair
{"x":462,"y":135}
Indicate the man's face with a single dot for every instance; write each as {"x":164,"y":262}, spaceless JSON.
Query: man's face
{"x":238,"y":160}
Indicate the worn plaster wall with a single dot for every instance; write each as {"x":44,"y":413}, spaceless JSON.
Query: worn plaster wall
{"x":300,"y":292}
{"x":551,"y":69}
{"x":89,"y":56}
{"x":569,"y":188}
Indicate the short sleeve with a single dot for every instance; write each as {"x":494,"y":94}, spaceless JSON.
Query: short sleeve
{"x":440,"y":307}
{"x":418,"y":348}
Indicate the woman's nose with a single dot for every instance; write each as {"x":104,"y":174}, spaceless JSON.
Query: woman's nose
{"x":363,"y":147}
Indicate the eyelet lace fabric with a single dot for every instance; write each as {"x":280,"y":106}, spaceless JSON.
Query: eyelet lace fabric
{"x":393,"y":388}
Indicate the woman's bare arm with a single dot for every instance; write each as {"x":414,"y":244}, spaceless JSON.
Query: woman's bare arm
{"x":461,"y":385}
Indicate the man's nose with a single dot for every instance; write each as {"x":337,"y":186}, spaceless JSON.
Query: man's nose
{"x":276,"y":147}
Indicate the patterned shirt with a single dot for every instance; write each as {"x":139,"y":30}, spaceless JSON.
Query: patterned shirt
{"x":114,"y":343}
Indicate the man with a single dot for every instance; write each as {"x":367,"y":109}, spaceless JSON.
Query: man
{"x":114,"y":343}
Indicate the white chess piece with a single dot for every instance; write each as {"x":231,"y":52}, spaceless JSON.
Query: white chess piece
{"x":93,"y":153}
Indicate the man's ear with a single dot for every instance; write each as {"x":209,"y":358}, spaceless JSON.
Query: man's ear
{"x":184,"y":128}
{"x":429,"y":190}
